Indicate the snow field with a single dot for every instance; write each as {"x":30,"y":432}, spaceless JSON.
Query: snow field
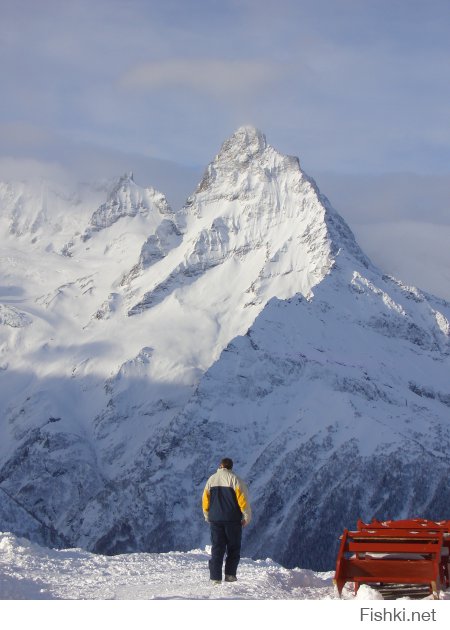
{"x":28,"y":571}
{"x":173,"y":589}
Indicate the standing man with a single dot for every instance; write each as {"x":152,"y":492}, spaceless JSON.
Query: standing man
{"x":227,"y":510}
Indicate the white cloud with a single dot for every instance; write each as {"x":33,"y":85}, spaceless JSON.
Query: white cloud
{"x":24,"y":169}
{"x":412,"y":251}
{"x":23,"y":134}
{"x":215,"y":77}
{"x":364,"y":198}
{"x":401,"y":221}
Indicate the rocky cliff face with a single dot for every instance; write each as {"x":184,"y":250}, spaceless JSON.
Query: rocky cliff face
{"x":248,"y":324}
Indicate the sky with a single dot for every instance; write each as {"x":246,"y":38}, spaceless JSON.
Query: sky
{"x":358,"y":89}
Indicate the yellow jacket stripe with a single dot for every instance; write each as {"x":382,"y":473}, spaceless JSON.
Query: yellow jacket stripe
{"x":241,"y":499}
{"x":205,"y":501}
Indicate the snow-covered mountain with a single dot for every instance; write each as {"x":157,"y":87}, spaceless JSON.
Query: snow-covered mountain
{"x":140,"y":344}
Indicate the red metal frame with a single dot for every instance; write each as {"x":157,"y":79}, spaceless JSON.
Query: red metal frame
{"x":411,"y":551}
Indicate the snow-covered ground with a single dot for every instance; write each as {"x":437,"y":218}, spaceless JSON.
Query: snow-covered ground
{"x":28,"y":571}
{"x":174,"y":588}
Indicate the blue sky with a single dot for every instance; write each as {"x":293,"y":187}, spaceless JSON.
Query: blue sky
{"x":349,"y":85}
{"x":358,"y":89}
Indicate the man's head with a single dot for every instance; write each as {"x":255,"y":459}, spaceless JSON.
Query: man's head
{"x":226,"y":463}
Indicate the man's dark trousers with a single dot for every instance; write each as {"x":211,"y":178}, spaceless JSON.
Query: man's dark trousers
{"x":225,"y":536}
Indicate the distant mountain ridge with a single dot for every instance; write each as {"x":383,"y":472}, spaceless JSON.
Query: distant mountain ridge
{"x":139,"y":344}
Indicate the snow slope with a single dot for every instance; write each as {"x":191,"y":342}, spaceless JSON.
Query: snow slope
{"x":139,"y":344}
{"x":337,"y":408}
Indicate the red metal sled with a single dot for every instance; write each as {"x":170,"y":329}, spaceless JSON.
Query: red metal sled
{"x":414,"y":551}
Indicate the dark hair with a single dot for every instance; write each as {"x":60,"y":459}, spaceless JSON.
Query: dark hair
{"x":227,"y":463}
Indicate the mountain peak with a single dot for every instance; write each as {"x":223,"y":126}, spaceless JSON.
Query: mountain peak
{"x":124,"y":180}
{"x":244,"y":144}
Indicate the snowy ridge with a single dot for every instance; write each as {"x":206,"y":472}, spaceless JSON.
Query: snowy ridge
{"x":126,"y":200}
{"x":40,"y":214}
{"x":253,"y":209}
{"x":10,"y":316}
{"x":248,"y":323}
